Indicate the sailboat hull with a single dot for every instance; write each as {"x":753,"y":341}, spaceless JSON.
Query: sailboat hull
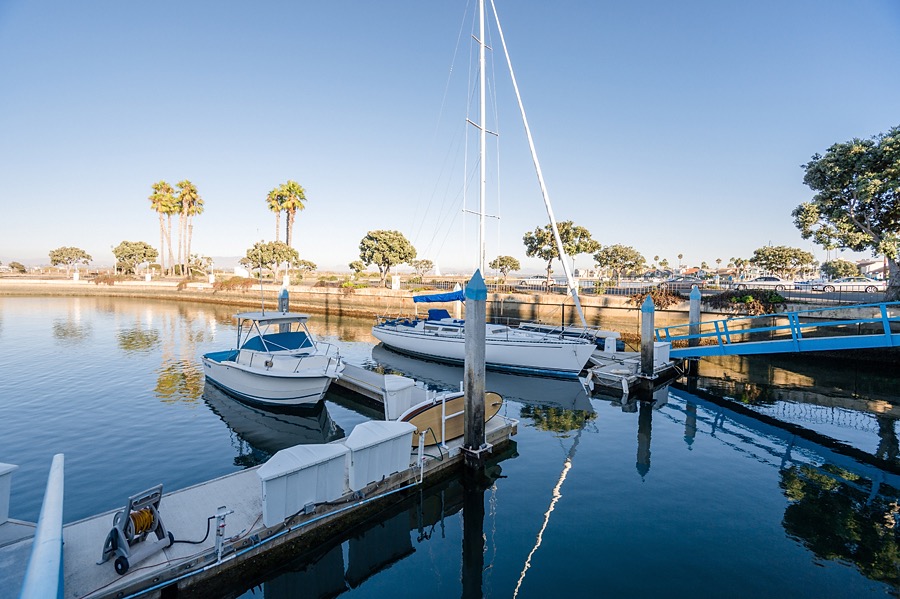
{"x":506,"y":350}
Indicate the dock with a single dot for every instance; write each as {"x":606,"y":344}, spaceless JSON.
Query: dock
{"x":239,"y":525}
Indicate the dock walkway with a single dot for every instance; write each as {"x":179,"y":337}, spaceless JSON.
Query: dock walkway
{"x":248,"y":545}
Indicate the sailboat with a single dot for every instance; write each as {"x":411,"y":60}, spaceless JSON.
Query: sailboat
{"x":534,"y":350}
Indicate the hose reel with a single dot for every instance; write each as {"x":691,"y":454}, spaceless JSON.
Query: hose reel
{"x":132,"y":526}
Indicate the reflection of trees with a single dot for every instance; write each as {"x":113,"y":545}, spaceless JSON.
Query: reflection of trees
{"x":180,"y":380}
{"x":837,"y":518}
{"x":71,"y":332}
{"x":137,"y":340}
{"x":557,"y":420}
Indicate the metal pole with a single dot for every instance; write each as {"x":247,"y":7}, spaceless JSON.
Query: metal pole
{"x":648,"y":336}
{"x":44,"y":574}
{"x":476,"y":307}
{"x":694,"y":328}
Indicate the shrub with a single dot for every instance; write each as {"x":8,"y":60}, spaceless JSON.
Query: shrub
{"x":233,"y":283}
{"x":752,"y":302}
{"x":662,"y":298}
{"x":107,"y":279}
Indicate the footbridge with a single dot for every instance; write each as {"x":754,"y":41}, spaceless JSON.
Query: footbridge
{"x":834,"y":328}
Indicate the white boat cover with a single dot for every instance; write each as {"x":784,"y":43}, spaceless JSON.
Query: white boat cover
{"x":378,"y":449}
{"x":301,"y":475}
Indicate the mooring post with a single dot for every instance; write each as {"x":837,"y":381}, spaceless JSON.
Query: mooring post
{"x":284,"y":305}
{"x":648,"y":336}
{"x":693,"y":329}
{"x":476,"y":311}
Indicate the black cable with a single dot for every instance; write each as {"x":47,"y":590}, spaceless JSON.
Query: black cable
{"x":206,"y":536}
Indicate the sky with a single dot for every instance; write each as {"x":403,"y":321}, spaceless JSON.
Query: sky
{"x":671,"y":127}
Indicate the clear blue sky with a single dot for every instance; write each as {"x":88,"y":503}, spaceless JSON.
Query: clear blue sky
{"x":673,"y":127}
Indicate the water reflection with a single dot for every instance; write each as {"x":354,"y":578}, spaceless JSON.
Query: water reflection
{"x":536,"y":391}
{"x":138,"y":340}
{"x":179,"y":381}
{"x":840,"y":508}
{"x":70,"y":332}
{"x":860,"y":408}
{"x":838,"y":515}
{"x":260,"y":433}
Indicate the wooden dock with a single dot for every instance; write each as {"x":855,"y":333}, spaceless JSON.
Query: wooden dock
{"x":248,"y":546}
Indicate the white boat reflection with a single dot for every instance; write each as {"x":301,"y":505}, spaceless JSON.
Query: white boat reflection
{"x":564,"y":393}
{"x":271,"y":430}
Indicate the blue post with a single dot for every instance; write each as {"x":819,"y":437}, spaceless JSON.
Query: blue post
{"x":648,"y":313}
{"x":694,"y":328}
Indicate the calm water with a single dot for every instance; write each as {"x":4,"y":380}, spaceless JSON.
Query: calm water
{"x":597,"y":498}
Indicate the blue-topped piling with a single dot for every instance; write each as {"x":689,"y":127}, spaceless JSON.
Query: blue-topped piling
{"x":476,"y":313}
{"x":648,"y":336}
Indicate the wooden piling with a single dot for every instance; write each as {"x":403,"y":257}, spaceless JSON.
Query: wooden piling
{"x":693,"y":328}
{"x":476,"y":312}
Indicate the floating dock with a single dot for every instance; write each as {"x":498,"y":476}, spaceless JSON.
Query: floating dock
{"x":238,"y":525}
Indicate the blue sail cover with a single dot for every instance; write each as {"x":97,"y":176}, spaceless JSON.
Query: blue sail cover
{"x":453,"y":296}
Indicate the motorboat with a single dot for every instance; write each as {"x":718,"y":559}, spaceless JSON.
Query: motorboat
{"x":276,"y":361}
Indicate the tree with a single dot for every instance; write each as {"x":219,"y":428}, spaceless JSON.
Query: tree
{"x":288,"y":198}
{"x":781,"y":259}
{"x":422,"y":267}
{"x":131,"y":253}
{"x":17,"y":267}
{"x":67,"y":256}
{"x":163,"y":202}
{"x":680,"y":256}
{"x":271,"y":255}
{"x":857,"y":199}
{"x":506,"y":265}
{"x":305,"y":265}
{"x":704,"y":266}
{"x":191,"y":205}
{"x":839,"y":268}
{"x":541,"y":243}
{"x":619,"y":258}
{"x":718,"y":263}
{"x":385,"y":249}
{"x":664,"y":264}
{"x":356,"y":267}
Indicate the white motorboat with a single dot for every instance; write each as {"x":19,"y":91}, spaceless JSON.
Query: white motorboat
{"x":277,"y":361}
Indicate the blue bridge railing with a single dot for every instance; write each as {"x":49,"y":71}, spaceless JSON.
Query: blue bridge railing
{"x":834,"y":328}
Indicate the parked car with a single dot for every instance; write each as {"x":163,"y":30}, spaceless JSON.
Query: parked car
{"x":851,"y":284}
{"x":766,"y":282}
{"x":807,"y":285}
{"x":682,"y":283}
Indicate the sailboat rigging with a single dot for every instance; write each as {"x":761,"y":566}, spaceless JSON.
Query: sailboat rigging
{"x":531,"y":350}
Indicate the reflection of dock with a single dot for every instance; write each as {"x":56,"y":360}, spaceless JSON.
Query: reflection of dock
{"x":565,"y":393}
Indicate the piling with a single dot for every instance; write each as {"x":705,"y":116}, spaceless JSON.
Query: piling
{"x":648,"y":336}
{"x":694,"y":329}
{"x":476,"y":312}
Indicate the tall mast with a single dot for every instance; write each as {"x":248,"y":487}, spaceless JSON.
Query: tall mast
{"x":481,"y":137}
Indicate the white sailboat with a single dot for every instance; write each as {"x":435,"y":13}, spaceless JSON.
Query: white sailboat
{"x":530,"y":351}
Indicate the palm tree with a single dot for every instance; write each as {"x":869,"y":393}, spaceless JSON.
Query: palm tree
{"x":273,"y":201}
{"x":293,"y":197}
{"x":161,"y":201}
{"x":190,"y":204}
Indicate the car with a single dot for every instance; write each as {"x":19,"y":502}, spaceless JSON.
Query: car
{"x":807,"y":285}
{"x":682,"y":283}
{"x":766,"y":282}
{"x":851,"y":284}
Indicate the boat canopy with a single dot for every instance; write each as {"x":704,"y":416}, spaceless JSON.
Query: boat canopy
{"x":453,"y":296}
{"x":273,"y":317}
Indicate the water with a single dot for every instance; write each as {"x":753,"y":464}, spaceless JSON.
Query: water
{"x":597,"y":498}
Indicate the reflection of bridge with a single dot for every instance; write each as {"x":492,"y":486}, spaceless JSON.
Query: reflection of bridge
{"x":836,"y":328}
